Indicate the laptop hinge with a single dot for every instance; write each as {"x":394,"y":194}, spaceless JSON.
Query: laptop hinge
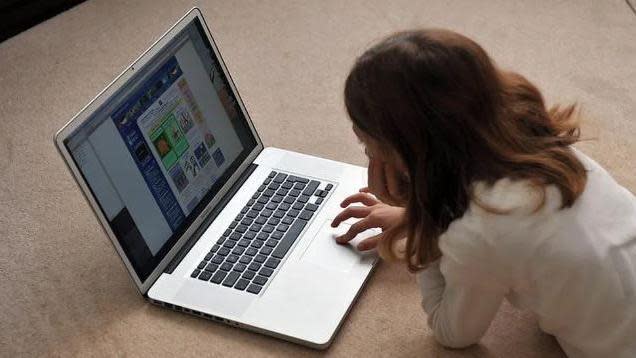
{"x":208,"y":220}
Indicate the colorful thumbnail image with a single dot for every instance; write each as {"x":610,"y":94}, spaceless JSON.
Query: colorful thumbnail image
{"x":219,"y":159}
{"x":169,"y":141}
{"x":185,"y":120}
{"x":178,"y":177}
{"x":190,"y":165}
{"x":202,"y":154}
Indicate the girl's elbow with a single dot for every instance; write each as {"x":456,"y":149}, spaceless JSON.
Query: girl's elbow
{"x":456,"y":342}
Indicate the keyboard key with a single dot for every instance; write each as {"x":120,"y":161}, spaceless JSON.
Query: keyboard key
{"x":294,"y":192}
{"x":249,"y":274}
{"x":282,"y":227}
{"x":257,"y":243}
{"x":218,"y":277}
{"x":268,"y":192}
{"x":227,"y":233}
{"x":245,"y":259}
{"x":266,"y":250}
{"x":251,"y":251}
{"x":255,"y":289}
{"x":249,"y":235}
{"x":235,"y":236}
{"x":289,"y":200}
{"x":244,"y":243}
{"x":280,"y":177}
{"x":299,"y":186}
{"x":260,"y":280}
{"x":277,"y":199}
{"x":279,"y":214}
{"x":247,"y":221}
{"x":262,"y":200}
{"x":245,"y":209}
{"x":241,"y":228}
{"x":306,"y":214}
{"x":311,"y":207}
{"x":260,"y":258}
{"x":232,"y":258}
{"x":258,"y":206}
{"x":282,"y":192}
{"x":211,"y":267}
{"x":277,"y":235}
{"x":238,"y":217}
{"x":208,"y":256}
{"x":240,"y":267}
{"x":267,"y":272}
{"x":202,"y":265}
{"x":233,"y":224}
{"x":217,"y":259}
{"x":267,"y":213}
{"x":274,"y":220}
{"x":272,"y":174}
{"x":328,"y":187}
{"x":255,"y":196}
{"x":318,"y":192}
{"x":288,"y":220}
{"x":252,"y":214}
{"x":261,"y":188}
{"x":303,"y":199}
{"x":238,"y":250}
{"x":273,"y":186}
{"x":272,"y":263}
{"x":267,"y":181}
{"x":256,"y":227}
{"x":287,"y":185}
{"x":261,"y":220}
{"x":229,"y":244}
{"x":230,"y":280}
{"x":205,"y":276}
{"x":223,"y":251}
{"x":272,"y":206}
{"x":284,"y":206}
{"x":268,"y":228}
{"x":241,"y":284}
{"x":302,"y":180}
{"x":323,"y":194}
{"x":262,"y":236}
{"x":319,"y":201}
{"x":289,"y":238}
{"x":298,"y":206}
{"x":221,"y":240}
{"x":293,"y":213}
{"x":195,"y":273}
{"x":311,"y":187}
{"x":226,"y":266}
{"x":254,"y":266}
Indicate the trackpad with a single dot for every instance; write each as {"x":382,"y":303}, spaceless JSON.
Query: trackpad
{"x":324,"y":251}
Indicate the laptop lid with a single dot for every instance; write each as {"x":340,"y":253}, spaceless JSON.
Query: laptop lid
{"x":160,"y":146}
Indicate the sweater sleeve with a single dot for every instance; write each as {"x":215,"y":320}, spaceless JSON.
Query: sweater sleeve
{"x":482,"y":255}
{"x":459,"y":313}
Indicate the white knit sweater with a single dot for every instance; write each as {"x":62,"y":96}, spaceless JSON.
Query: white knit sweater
{"x":575,"y":268}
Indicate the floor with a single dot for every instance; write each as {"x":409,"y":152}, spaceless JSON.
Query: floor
{"x":63,"y":290}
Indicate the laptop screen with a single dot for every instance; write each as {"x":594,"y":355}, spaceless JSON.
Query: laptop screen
{"x":157,"y":152}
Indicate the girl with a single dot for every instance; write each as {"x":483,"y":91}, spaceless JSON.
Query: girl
{"x":468,"y":164}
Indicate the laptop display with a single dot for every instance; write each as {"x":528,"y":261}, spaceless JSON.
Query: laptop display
{"x":158,"y":151}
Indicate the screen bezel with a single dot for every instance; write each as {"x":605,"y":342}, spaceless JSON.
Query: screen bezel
{"x":86,"y":113}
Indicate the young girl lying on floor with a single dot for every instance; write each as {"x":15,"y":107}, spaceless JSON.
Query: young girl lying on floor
{"x":468,"y":164}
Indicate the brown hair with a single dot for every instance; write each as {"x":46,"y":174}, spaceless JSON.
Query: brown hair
{"x":437,"y":100}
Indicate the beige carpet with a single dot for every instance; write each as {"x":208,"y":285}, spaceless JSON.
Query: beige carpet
{"x":63,"y":290}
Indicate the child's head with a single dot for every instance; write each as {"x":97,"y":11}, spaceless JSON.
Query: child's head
{"x":433,"y":103}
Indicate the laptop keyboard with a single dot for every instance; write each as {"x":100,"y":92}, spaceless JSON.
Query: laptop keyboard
{"x":252,"y":247}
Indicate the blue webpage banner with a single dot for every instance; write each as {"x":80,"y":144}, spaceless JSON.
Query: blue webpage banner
{"x":125,"y":118}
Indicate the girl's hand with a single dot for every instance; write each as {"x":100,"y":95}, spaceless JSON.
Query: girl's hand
{"x":386,"y":183}
{"x":374,"y":214}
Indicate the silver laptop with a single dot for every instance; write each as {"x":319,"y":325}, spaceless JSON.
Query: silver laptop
{"x":206,"y":220}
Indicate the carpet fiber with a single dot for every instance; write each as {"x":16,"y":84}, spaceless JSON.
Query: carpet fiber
{"x":64,"y":291}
